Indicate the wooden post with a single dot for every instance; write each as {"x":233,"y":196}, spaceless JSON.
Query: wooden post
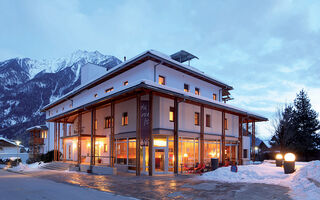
{"x":79,"y":137}
{"x":93,"y":136}
{"x":64,"y":153}
{"x":240,"y":148}
{"x":138,"y":134}
{"x":112,"y":149}
{"x":202,"y":134}
{"x":223,"y":138}
{"x":253,"y":137}
{"x":150,"y":133}
{"x":55,"y":142}
{"x":176,"y":136}
{"x":247,"y":128}
{"x":58,"y":140}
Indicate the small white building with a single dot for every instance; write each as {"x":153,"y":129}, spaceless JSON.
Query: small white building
{"x":151,"y":114}
{"x":11,"y":149}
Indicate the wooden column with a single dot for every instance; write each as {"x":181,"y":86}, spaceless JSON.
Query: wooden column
{"x":58,"y":141}
{"x":240,"y":148}
{"x":54,"y":142}
{"x":223,"y":138}
{"x":112,"y":148}
{"x":93,"y":138}
{"x":176,"y":136}
{"x":79,"y":136}
{"x":202,"y":134}
{"x":64,"y":153}
{"x":150,"y":133}
{"x":138,"y":134}
{"x":253,"y":138}
{"x":247,"y":128}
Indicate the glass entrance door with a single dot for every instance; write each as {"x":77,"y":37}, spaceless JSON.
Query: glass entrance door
{"x":160,"y":162}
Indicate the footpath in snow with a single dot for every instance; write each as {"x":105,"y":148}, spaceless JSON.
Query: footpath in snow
{"x":303,"y":184}
{"x":26,"y":167}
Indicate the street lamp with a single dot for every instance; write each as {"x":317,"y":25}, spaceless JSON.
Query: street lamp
{"x":18,"y":143}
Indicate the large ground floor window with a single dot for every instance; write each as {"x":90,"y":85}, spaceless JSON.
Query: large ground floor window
{"x":126,"y":152}
{"x":231,"y":151}
{"x":211,"y":150}
{"x":189,"y":151}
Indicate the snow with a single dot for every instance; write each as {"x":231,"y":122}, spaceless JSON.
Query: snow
{"x":27,"y":167}
{"x":302,"y":183}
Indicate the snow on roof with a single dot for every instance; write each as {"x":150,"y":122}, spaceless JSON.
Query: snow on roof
{"x":110,"y":71}
{"x":38,"y":127}
{"x":9,"y":141}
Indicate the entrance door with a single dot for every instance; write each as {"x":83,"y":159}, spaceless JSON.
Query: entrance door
{"x":160,"y":161}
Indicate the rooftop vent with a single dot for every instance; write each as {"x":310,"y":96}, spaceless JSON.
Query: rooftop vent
{"x":183,"y":56}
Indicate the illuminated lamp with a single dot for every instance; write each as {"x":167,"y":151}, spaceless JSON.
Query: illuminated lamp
{"x":279,"y":160}
{"x":289,"y":163}
{"x":185,"y":155}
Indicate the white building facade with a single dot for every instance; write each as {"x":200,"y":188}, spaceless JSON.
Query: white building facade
{"x":151,"y":114}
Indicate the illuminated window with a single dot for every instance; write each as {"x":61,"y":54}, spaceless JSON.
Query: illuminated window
{"x":171,"y":114}
{"x":186,"y":88}
{"x":196,"y":119}
{"x":124,"y":119}
{"x":95,"y":124}
{"x":197,"y":91}
{"x":208,"y":121}
{"x":105,"y":148}
{"x":214,"y":96}
{"x":162,"y":80}
{"x":70,"y":106}
{"x":95,"y":95}
{"x":125,"y":83}
{"x":109,"y":90}
{"x":107,"y":122}
{"x":226,"y":123}
{"x":45,"y":134}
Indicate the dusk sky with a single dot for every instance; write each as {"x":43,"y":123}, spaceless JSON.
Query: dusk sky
{"x":267,"y":50}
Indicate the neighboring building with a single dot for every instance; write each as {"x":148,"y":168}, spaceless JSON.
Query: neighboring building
{"x":11,"y":149}
{"x":38,"y":141}
{"x":151,"y":114}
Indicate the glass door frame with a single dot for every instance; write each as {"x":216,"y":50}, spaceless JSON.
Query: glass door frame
{"x":166,"y":160}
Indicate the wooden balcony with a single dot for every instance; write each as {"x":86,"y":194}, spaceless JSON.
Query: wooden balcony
{"x":36,"y":141}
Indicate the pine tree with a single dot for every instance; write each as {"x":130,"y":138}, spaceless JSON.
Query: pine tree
{"x":284,"y":129}
{"x":306,"y":125}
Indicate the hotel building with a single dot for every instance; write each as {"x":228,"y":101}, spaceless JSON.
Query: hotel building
{"x":151,"y":114}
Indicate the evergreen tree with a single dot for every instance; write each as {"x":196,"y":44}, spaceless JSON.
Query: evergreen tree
{"x":284,"y":129}
{"x":306,"y":125}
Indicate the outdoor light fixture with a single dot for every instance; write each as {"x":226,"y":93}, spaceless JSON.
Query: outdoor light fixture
{"x":289,"y":163}
{"x":256,"y":148}
{"x":185,"y":155}
{"x":18,"y":143}
{"x":279,"y":160}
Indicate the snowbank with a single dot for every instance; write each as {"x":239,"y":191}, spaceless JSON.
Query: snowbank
{"x":303,"y":184}
{"x":27,"y":167}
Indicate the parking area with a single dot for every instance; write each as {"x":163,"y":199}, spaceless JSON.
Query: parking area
{"x":164,"y":187}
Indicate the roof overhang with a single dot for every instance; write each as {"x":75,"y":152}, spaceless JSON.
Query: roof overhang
{"x":144,"y":88}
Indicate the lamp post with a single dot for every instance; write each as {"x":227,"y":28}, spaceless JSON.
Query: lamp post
{"x":18,"y":143}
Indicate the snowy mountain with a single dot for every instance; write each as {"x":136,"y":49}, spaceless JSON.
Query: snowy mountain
{"x":26,"y":85}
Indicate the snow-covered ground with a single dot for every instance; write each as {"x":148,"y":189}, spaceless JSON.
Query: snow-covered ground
{"x":303,"y":184}
{"x":27,"y":167}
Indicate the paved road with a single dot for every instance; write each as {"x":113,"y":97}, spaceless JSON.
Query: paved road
{"x":15,"y":186}
{"x":163,"y":187}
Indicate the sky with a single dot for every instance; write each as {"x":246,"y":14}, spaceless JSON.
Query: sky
{"x":267,"y":50}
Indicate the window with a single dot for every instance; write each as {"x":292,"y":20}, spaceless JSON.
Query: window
{"x":171,"y":114}
{"x":95,"y":95}
{"x":186,"y":88}
{"x":62,"y":108}
{"x":245,"y":153}
{"x":70,"y":106}
{"x":125,"y":83}
{"x":95,"y":124}
{"x":196,"y":119}
{"x":45,"y":134}
{"x":105,"y":148}
{"x":197,"y":91}
{"x":124,"y":119}
{"x":107,"y":122}
{"x":108,"y":90}
{"x":56,"y":111}
{"x":162,"y":80}
{"x":226,"y":124}
{"x":208,"y":121}
{"x":214,"y":96}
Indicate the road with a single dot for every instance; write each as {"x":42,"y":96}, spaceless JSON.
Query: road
{"x":15,"y":186}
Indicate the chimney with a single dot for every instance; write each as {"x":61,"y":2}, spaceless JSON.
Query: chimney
{"x":124,"y":59}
